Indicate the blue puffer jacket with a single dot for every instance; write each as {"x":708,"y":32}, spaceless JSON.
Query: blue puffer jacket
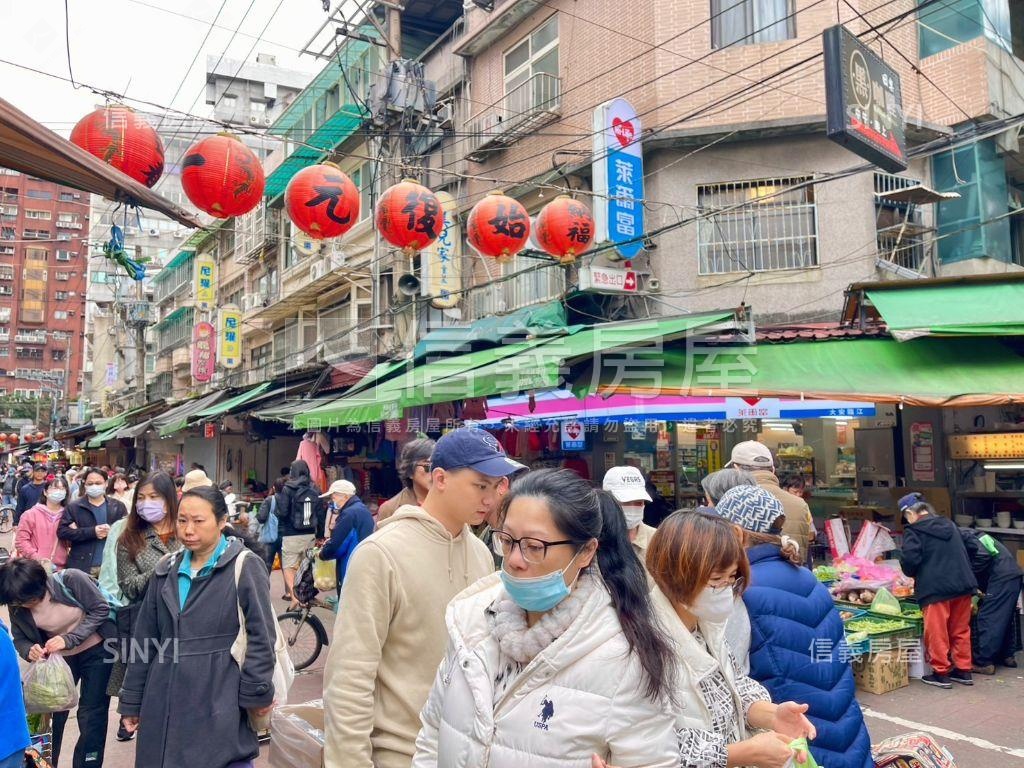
{"x":790,"y":611}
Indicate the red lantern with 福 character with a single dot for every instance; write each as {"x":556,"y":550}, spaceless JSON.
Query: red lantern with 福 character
{"x":123,"y":139}
{"x":322,"y":201}
{"x":222,"y":176}
{"x":409,"y":216}
{"x":498,"y":227}
{"x":565,"y":228}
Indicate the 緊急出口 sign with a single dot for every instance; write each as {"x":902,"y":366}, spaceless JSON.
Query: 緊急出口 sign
{"x":864,"y":101}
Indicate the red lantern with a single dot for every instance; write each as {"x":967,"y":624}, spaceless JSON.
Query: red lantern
{"x":222,"y":176}
{"x":322,"y":201}
{"x":40,"y":436}
{"x":3,"y":437}
{"x":409,"y":216}
{"x":565,"y":228}
{"x":121,"y":138}
{"x":13,"y":439}
{"x":498,"y":227}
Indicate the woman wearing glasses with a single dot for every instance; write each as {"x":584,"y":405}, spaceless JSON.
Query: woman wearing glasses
{"x":557,"y":656}
{"x":797,"y":646}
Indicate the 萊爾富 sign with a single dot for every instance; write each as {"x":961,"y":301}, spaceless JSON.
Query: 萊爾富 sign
{"x":618,"y":177}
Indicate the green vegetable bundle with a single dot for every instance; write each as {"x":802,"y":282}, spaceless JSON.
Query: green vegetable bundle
{"x":49,"y":686}
{"x":875,"y":626}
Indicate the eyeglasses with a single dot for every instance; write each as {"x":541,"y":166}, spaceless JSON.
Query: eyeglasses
{"x":424,"y":465}
{"x":736,"y":584}
{"x":533,"y":550}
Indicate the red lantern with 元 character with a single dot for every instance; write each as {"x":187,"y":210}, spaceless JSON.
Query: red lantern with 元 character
{"x":498,"y":227}
{"x":322,"y":201}
{"x":565,"y":228}
{"x":222,"y":176}
{"x":409,"y":216}
{"x":123,"y":139}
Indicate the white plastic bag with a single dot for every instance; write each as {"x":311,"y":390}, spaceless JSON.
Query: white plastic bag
{"x":49,"y":686}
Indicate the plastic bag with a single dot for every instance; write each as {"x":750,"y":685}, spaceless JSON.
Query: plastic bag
{"x":800,"y":745}
{"x":885,"y":603}
{"x":49,"y":686}
{"x":297,"y":735}
{"x":325,"y":574}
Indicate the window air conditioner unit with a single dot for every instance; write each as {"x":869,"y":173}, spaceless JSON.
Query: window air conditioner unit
{"x":445,"y":116}
{"x":318,"y":270}
{"x":154,"y":232}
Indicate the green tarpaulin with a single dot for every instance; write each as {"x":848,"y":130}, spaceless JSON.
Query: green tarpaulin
{"x":539,"y":363}
{"x":929,"y":372}
{"x":982,"y":309}
{"x":543,"y":320}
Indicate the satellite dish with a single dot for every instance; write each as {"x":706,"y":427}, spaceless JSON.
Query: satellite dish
{"x":305,"y":245}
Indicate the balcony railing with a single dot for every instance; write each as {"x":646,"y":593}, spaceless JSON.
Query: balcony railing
{"x":525,"y":109}
{"x":30,"y":338}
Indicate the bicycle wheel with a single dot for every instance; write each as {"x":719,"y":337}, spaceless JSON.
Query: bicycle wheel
{"x":6,"y":523}
{"x":303,"y":641}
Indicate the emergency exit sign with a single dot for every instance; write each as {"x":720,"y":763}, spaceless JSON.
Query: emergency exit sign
{"x":608,"y":280}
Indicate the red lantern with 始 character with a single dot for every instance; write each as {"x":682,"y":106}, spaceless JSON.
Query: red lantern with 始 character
{"x":409,"y":216}
{"x":498,"y":227}
{"x":565,"y":228}
{"x":222,"y":176}
{"x":322,"y":201}
{"x":122,"y":138}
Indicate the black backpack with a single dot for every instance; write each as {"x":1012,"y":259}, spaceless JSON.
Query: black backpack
{"x":303,"y":509}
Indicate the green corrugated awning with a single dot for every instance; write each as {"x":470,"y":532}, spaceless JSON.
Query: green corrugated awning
{"x":233,"y":402}
{"x":178,"y":418}
{"x":982,"y":309}
{"x":926,"y":372}
{"x":542,"y":320}
{"x":539,"y":363}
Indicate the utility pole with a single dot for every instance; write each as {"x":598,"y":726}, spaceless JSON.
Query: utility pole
{"x":142,"y":314}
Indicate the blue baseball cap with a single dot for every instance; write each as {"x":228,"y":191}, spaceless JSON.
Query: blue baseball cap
{"x":909,"y":501}
{"x":472,"y":448}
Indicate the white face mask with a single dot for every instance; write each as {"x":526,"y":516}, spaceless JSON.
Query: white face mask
{"x":634,"y":515}
{"x":714,"y":604}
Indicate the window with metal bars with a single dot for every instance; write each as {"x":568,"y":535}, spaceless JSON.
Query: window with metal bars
{"x":757,"y":226}
{"x":900,"y":226}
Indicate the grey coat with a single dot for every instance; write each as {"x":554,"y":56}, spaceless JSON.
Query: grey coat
{"x":194,"y":679}
{"x":133,"y":573}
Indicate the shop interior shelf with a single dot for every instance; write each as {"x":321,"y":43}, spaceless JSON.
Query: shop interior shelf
{"x":992,"y":494}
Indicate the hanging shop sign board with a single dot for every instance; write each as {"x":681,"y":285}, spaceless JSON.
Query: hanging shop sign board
{"x":230,"y":322}
{"x":607,"y":279}
{"x":204,"y":353}
{"x":442,"y":259}
{"x":574,"y":436}
{"x":618,"y":176}
{"x":922,"y":452}
{"x":864,"y":101}
{"x":206,"y":282}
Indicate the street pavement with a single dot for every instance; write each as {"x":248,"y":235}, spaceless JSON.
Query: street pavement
{"x":982,"y":726}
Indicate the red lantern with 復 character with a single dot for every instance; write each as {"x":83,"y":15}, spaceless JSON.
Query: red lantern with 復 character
{"x":222,"y":176}
{"x":498,"y":227}
{"x":322,"y":201}
{"x":565,"y":228}
{"x":409,"y":216}
{"x":122,"y":138}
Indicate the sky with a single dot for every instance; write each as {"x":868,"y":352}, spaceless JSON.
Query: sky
{"x":142,"y":48}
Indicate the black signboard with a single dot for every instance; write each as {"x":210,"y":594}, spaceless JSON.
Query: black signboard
{"x":864,"y":101}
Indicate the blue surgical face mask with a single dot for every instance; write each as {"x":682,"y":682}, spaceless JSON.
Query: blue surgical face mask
{"x":95,"y":491}
{"x":539,"y":593}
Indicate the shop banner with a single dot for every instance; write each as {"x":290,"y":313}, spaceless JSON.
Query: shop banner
{"x":442,"y":260}
{"x":230,"y":323}
{"x":922,"y":452}
{"x":205,"y":282}
{"x":204,"y":355}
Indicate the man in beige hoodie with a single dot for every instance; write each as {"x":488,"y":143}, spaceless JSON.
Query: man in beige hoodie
{"x":390,"y":634}
{"x":757,"y":459}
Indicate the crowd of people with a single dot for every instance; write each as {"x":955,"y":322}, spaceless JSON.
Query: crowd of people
{"x":488,"y":615}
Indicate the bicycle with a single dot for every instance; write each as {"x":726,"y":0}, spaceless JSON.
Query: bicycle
{"x":6,"y":519}
{"x":303,"y":631}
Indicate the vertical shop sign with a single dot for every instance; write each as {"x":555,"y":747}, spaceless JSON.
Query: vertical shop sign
{"x":206,"y":282}
{"x":442,"y":259}
{"x":922,"y":452}
{"x":203,"y":352}
{"x":618,"y":170}
{"x":864,"y":103}
{"x":230,"y":336}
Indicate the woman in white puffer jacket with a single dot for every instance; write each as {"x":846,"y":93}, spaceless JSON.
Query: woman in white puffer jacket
{"x":553,"y":659}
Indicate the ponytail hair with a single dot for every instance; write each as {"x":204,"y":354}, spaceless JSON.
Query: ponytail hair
{"x":583,"y":514}
{"x":789,"y":548}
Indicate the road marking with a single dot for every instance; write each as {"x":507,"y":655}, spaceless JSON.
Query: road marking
{"x":943,"y":733}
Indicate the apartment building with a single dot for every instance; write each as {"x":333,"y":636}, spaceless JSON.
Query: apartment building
{"x":539,"y":69}
{"x":42,"y":287}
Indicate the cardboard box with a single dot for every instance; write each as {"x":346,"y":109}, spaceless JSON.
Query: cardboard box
{"x":297,"y":735}
{"x":1020,"y":557}
{"x":881,"y":672}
